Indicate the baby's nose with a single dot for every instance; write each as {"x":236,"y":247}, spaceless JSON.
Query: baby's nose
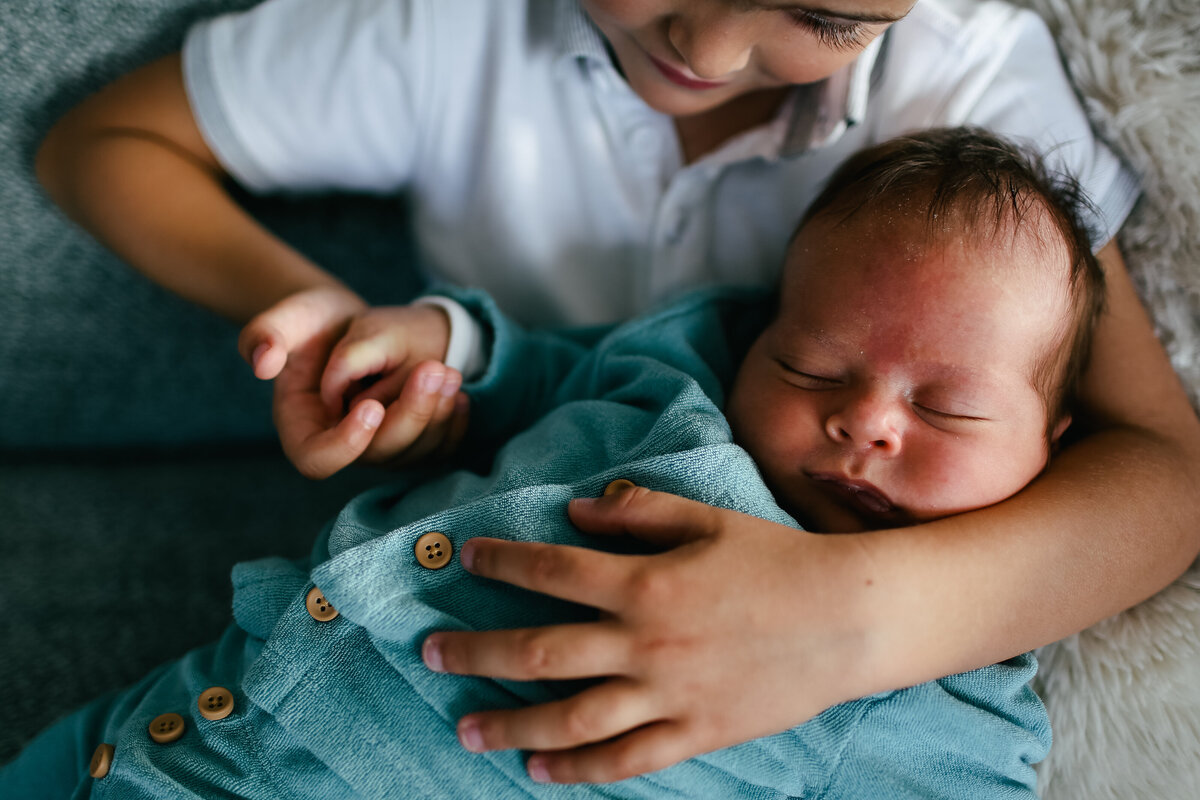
{"x":865,"y":423}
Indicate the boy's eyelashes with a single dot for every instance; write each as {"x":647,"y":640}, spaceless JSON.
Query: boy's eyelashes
{"x":833,"y":33}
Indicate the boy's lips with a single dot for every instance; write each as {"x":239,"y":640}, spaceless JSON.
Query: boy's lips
{"x":861,"y":495}
{"x":680,"y":78}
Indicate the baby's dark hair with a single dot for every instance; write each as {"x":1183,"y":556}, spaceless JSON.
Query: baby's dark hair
{"x":976,"y":181}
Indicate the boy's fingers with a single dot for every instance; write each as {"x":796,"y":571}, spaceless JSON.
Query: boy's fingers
{"x":593,"y":715}
{"x":645,"y":749}
{"x":579,"y":574}
{"x":556,"y":652}
{"x":263,"y":347}
{"x":318,"y":452}
{"x":293,"y":321}
{"x":657,"y":517}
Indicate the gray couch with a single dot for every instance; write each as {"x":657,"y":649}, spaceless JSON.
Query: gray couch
{"x":137,"y":457}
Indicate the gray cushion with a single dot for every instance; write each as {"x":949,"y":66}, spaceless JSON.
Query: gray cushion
{"x":137,"y":458}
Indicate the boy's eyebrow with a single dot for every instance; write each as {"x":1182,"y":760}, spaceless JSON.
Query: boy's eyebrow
{"x":825,"y":12}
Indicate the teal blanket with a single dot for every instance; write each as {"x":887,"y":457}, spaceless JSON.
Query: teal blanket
{"x":346,"y":708}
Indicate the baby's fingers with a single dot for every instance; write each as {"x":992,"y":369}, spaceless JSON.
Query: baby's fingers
{"x":352,"y":360}
{"x":416,"y":423}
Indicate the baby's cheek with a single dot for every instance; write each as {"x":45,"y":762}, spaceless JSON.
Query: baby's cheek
{"x":951,"y":479}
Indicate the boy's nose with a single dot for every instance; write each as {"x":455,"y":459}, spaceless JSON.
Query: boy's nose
{"x":713,"y":40}
{"x":865,"y":424}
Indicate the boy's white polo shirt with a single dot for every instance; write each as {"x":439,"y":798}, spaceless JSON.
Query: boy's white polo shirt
{"x":539,"y":175}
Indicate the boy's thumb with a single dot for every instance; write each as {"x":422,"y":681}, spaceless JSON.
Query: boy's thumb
{"x":263,"y":347}
{"x":658,"y":517}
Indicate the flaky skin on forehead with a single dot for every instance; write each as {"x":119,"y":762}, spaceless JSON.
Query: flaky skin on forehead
{"x":968,"y":182}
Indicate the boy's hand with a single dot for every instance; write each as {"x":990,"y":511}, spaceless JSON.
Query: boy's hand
{"x":290,"y":342}
{"x":743,"y":628}
{"x":393,"y":355}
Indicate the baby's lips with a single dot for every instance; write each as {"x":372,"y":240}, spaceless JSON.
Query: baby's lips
{"x":861,"y":493}
{"x":871,"y":500}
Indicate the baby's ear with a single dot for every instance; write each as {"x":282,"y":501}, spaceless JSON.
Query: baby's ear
{"x":1060,"y":427}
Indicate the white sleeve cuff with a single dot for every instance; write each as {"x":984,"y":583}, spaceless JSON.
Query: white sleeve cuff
{"x":465,"y":350}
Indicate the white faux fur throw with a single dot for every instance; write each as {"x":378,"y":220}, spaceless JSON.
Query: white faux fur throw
{"x":1124,"y":696}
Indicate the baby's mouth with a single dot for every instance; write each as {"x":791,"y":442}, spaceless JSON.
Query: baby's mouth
{"x":860,"y":495}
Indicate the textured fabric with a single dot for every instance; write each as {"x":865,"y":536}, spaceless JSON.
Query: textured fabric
{"x":511,"y":115}
{"x":346,"y":708}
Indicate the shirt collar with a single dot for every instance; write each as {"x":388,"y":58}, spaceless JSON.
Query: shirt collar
{"x":821,"y":112}
{"x":576,"y":35}
{"x":817,"y":114}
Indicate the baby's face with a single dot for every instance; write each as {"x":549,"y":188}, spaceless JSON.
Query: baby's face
{"x":686,"y":57}
{"x":897,"y":382}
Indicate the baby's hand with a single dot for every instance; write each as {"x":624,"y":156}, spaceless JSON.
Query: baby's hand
{"x":293,"y":342}
{"x":392,"y":355}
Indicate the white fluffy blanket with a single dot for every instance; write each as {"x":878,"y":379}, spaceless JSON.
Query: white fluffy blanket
{"x":1124,"y":696}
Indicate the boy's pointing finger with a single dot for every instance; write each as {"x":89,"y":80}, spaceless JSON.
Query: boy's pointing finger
{"x":577,"y":574}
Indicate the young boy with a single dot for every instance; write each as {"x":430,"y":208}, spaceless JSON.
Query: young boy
{"x":948,"y":397}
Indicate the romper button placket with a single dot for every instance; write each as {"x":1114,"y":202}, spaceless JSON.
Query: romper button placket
{"x":215,"y":703}
{"x":166,"y":728}
{"x":619,"y":485}
{"x":101,"y":760}
{"x":318,"y":607}
{"x":433,"y":550}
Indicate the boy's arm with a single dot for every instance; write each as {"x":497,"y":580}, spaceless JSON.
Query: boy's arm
{"x":807,"y":620}
{"x":130,"y":165}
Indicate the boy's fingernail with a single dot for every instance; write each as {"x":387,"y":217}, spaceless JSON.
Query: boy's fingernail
{"x":470,"y":736}
{"x":468,"y":555}
{"x":431,"y":654}
{"x":431,"y":381}
{"x":372,"y":415}
{"x":537,"y":769}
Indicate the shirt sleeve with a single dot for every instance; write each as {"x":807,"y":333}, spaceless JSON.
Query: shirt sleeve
{"x":301,"y":95}
{"x":998,"y":67}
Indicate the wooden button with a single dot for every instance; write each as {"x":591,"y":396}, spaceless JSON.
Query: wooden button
{"x":216,"y":702}
{"x":166,"y":728}
{"x":101,"y":760}
{"x":619,"y":485}
{"x":320,"y":608}
{"x":433,"y":550}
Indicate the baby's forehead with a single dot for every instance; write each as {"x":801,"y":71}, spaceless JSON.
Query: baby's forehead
{"x":1030,"y":246}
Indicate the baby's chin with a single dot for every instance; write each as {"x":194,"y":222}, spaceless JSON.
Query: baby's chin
{"x":820,"y":515}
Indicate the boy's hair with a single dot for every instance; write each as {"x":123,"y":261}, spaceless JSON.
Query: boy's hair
{"x":970,"y":178}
